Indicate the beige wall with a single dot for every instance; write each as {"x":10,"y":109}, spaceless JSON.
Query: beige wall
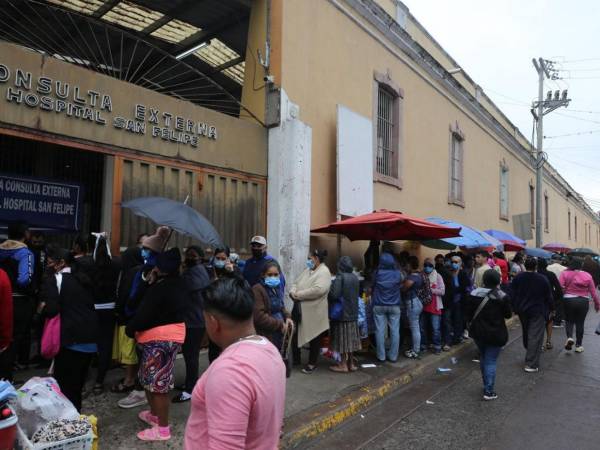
{"x":239,"y":145}
{"x":334,"y":64}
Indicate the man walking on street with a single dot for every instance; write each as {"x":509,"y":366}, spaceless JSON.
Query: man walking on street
{"x":532,"y":301}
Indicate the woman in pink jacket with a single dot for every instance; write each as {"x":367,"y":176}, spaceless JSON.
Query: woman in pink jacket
{"x":578,"y":286}
{"x":432,"y":312}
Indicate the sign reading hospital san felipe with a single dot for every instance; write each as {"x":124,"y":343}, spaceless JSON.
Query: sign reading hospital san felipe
{"x":59,"y":97}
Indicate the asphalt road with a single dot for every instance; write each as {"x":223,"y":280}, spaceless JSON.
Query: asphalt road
{"x":555,"y":409}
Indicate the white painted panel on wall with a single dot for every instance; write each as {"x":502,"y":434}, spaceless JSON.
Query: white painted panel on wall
{"x":354,"y":163}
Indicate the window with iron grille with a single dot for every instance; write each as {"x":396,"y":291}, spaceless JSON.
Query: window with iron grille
{"x":569,"y":219}
{"x":575,"y":227}
{"x":386,"y":157}
{"x":532,"y":204}
{"x":504,"y":191}
{"x":546,"y":213}
{"x":456,"y":169}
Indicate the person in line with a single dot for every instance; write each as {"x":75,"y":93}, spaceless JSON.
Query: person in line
{"x":412,"y":285}
{"x":70,"y":295}
{"x":239,"y":401}
{"x":271,"y":319}
{"x":220,"y":267}
{"x":104,"y":278}
{"x":345,"y":337}
{"x":488,"y":327}
{"x":578,"y":286}
{"x":82,"y":260}
{"x":386,"y":297}
{"x":557,"y":295}
{"x":593,"y":268}
{"x":516,"y":267}
{"x":123,"y":346}
{"x":456,"y":292}
{"x":18,"y":263}
{"x":254,"y":266}
{"x":531,"y":298}
{"x":482,"y":262}
{"x":500,"y":261}
{"x":196,"y":279}
{"x":557,"y":267}
{"x":432,"y":312}
{"x":152,"y":247}
{"x":159,"y":329}
{"x":309,"y":294}
{"x":6,"y":325}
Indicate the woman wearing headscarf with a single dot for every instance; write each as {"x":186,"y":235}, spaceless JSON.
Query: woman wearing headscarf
{"x":309,"y":293}
{"x":432,"y":312}
{"x":345,"y":337}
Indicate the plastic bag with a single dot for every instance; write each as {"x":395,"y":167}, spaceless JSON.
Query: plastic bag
{"x":50,"y":344}
{"x":40,"y":401}
{"x":362,"y":319}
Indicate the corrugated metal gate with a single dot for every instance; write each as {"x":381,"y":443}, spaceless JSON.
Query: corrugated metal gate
{"x":235,"y":206}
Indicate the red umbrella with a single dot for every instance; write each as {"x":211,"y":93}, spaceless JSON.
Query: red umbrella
{"x":386,"y":225}
{"x":557,"y":247}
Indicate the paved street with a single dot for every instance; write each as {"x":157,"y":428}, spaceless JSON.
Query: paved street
{"x":555,"y":409}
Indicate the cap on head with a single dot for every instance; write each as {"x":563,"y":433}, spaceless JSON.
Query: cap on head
{"x":157,"y":241}
{"x":260,"y":240}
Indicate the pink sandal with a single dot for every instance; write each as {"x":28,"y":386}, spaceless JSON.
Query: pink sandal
{"x":152,"y":434}
{"x":147,"y":417}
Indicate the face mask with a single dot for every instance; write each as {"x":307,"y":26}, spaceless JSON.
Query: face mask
{"x":272,"y":282}
{"x":428,"y":269}
{"x":146,"y":254}
{"x":310,"y":264}
{"x":455,"y":266}
{"x":257,"y":252}
{"x":219,"y":263}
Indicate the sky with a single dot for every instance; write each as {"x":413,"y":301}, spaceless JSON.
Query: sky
{"x":495,"y":41}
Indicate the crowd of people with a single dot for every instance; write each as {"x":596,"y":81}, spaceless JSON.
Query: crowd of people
{"x":139,"y":310}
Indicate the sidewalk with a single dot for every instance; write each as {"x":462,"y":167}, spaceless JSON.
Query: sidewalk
{"x":315,"y":403}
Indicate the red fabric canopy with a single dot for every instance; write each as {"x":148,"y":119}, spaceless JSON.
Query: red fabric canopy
{"x":386,"y":225}
{"x":557,"y":247}
{"x":511,"y":246}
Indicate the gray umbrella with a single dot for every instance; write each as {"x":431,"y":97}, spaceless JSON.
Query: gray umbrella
{"x":177,"y":216}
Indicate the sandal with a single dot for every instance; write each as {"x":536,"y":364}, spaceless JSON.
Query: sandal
{"x":98,"y":389}
{"x":352,"y":368}
{"x":152,"y":434}
{"x":122,"y":388}
{"x":147,"y":417}
{"x":338,"y":368}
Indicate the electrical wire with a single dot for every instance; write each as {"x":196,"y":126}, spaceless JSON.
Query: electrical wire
{"x":572,"y":134}
{"x":577,"y":118}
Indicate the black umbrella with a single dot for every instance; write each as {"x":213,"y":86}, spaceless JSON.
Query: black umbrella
{"x":177,"y":216}
{"x":582,"y":252}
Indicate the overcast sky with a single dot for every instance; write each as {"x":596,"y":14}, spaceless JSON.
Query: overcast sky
{"x":494,"y":42}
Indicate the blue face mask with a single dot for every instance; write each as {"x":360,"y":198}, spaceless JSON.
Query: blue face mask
{"x":272,"y":282}
{"x":219,"y":263}
{"x":310,"y":264}
{"x":427,"y":269}
{"x":146,"y":254}
{"x":455,"y":266}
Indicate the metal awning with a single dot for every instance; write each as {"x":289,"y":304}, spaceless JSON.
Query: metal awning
{"x":190,"y":49}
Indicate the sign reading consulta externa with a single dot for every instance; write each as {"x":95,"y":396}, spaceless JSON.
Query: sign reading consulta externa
{"x":73,"y":102}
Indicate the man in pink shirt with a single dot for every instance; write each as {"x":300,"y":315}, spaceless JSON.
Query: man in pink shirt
{"x":578,"y":286}
{"x":238,"y":403}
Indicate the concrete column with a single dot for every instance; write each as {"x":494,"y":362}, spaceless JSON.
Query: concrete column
{"x":289,"y":190}
{"x":107,"y":193}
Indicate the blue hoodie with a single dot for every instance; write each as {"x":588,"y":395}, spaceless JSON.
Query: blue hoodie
{"x":387,"y":282}
{"x":22,"y":261}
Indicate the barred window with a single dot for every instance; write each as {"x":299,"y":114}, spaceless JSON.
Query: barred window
{"x":504,"y":192}
{"x":456,"y":169}
{"x":386,"y":153}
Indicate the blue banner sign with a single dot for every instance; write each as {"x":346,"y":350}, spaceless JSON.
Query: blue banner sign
{"x":41,"y":203}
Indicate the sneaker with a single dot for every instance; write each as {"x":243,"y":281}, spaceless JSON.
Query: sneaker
{"x":134,"y":399}
{"x":558,"y":325}
{"x":181,"y":398}
{"x":153,"y":434}
{"x":529,"y":369}
{"x":309,"y":369}
{"x":569,"y":345}
{"x":549,"y":345}
{"x":466,"y":334}
{"x":410,"y":354}
{"x":446,"y":348}
{"x":488,"y":396}
{"x":579,"y":349}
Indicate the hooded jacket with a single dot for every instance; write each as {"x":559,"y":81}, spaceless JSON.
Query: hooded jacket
{"x":17,"y":261}
{"x":346,"y":285}
{"x":489,"y":326}
{"x":387,"y":282}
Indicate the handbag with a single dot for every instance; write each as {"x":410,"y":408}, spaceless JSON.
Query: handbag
{"x":424,"y":293}
{"x":336,"y":307}
{"x":50,"y":344}
{"x":297,"y":312}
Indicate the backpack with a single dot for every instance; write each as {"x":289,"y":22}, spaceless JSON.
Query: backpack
{"x":424,"y":292}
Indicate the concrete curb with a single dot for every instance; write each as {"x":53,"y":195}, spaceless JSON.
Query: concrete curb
{"x":310,"y":424}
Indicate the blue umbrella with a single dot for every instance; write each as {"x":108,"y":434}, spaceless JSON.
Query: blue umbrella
{"x":177,"y":216}
{"x":538,"y":253}
{"x":470,"y":238}
{"x":510,"y":241}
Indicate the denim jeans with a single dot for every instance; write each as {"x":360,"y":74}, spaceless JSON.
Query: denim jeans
{"x":385,"y":316}
{"x":433,"y":322}
{"x":488,"y":358}
{"x":414,"y":307}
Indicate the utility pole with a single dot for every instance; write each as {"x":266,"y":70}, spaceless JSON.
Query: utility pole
{"x":544,"y":69}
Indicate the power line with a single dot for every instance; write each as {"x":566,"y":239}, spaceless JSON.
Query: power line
{"x":506,"y":96}
{"x":578,"y":60}
{"x":575,"y":147}
{"x":586,"y":166}
{"x":572,"y":134}
{"x":578,"y":118}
